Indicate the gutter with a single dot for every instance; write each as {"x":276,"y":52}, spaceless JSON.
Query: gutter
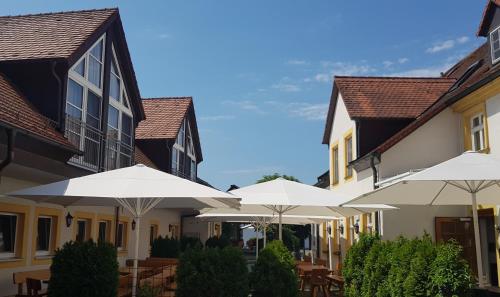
{"x":11,"y":137}
{"x":375,"y":174}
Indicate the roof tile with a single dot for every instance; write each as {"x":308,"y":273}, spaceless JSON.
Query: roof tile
{"x":48,"y":35}
{"x":141,"y":158}
{"x":163,"y":117}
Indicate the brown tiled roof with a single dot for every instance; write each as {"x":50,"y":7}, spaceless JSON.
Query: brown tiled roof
{"x":469,"y":78}
{"x":163,"y":117}
{"x":48,"y":35}
{"x":390,"y":97}
{"x":141,"y":158}
{"x":17,"y":112}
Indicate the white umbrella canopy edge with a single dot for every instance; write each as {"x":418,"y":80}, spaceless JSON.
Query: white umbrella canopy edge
{"x":137,"y":188}
{"x":471,"y":178}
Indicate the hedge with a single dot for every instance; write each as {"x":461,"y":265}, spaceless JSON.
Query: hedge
{"x":84,"y":269}
{"x":405,"y":267}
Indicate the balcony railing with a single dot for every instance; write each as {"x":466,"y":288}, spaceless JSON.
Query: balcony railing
{"x":90,"y":140}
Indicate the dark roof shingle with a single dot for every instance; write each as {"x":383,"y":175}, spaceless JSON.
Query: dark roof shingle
{"x":48,"y":35}
{"x":163,"y":117}
{"x":16,"y":111}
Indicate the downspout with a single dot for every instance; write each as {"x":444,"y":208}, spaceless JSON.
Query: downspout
{"x":59,"y":95}
{"x":375,"y":186}
{"x":11,"y":136}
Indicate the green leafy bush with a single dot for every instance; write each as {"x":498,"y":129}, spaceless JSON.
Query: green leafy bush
{"x":84,"y":269}
{"x":212,"y":272}
{"x":402,"y":255}
{"x":165,"y":247}
{"x":449,"y":273}
{"x":417,"y":281}
{"x":147,"y":290}
{"x":353,"y":268}
{"x":189,"y":242}
{"x":376,"y":269}
{"x":215,"y":241}
{"x":274,"y":274}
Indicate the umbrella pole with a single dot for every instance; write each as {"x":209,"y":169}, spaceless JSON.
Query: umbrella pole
{"x":280,"y":227}
{"x":265,"y":236}
{"x":136,"y":255}
{"x":477,"y":241}
{"x":256,"y":242}
{"x":312,"y":240}
{"x":330,"y":249}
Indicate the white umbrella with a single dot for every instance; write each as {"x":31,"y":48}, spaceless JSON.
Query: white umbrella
{"x":281,"y":196}
{"x":468,"y":179}
{"x":260,"y":222}
{"x":137,"y":188}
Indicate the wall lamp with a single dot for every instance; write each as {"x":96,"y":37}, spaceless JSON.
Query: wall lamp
{"x":134,"y":224}
{"x":341,"y":229}
{"x":356,"y":227}
{"x":69,"y":219}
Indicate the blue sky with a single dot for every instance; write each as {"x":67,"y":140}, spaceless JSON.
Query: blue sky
{"x":261,"y":71}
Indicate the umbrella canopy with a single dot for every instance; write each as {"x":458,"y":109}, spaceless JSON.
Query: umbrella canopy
{"x":137,"y":188}
{"x":281,"y":196}
{"x":468,"y":179}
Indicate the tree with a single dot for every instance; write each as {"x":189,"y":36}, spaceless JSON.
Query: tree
{"x":274,"y":176}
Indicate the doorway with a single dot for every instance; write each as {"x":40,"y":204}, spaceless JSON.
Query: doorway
{"x":488,"y":245}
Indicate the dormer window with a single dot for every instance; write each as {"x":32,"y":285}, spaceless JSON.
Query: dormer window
{"x":183,"y":153}
{"x":495,"y":45}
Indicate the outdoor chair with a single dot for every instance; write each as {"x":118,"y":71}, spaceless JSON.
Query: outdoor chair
{"x":319,"y":282}
{"x":307,"y":259}
{"x":320,"y":262}
{"x":35,"y":287}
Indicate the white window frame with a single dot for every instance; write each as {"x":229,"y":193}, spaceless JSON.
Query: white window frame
{"x":50,"y":249}
{"x":11,"y":255}
{"x":479,"y":128}
{"x":122,"y":109}
{"x":87,"y":86}
{"x":491,"y":45}
{"x":106,"y":229}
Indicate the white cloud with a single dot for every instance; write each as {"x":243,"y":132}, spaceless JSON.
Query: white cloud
{"x":447,"y":44}
{"x":387,"y":64}
{"x":164,"y":36}
{"x":433,"y":71}
{"x":245,"y":105}
{"x":297,"y":62}
{"x":403,"y":60}
{"x":217,"y":118}
{"x":322,"y":77}
{"x":343,"y":68}
{"x":286,"y":87}
{"x":308,"y":111}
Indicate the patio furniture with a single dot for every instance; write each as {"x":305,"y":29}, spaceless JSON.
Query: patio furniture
{"x":320,"y":262}
{"x":34,"y":287}
{"x":20,"y":278}
{"x":307,"y":259}
{"x":305,"y":270}
{"x":335,"y":281}
{"x":319,"y":282}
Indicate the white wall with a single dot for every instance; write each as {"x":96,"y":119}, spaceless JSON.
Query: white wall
{"x":493,"y":115}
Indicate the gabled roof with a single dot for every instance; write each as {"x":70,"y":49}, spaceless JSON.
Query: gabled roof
{"x":164,"y":118}
{"x":487,"y":16}
{"x":472,"y":72}
{"x":49,"y":35}
{"x":66,"y":36}
{"x":18,"y":113}
{"x":141,"y":158}
{"x":385,"y":97}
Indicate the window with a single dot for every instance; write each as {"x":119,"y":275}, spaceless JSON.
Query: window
{"x":495,"y":45}
{"x":120,"y":121}
{"x":104,"y":231}
{"x":477,"y":132}
{"x":8,"y":235}
{"x":153,"y":233}
{"x":44,"y":236}
{"x":121,"y":239}
{"x":335,"y":163}
{"x":183,"y":153}
{"x":348,"y":155}
{"x":82,"y":230}
{"x":83,"y":105}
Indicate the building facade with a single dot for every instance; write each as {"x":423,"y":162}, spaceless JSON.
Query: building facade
{"x":461,"y":115}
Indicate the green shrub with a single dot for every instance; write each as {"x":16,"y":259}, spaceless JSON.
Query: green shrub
{"x":215,"y":241}
{"x":417,"y":281}
{"x":274,"y":274}
{"x":449,"y":275}
{"x":353,"y":268}
{"x":147,"y":290}
{"x":84,"y":269}
{"x":212,"y":272}
{"x":189,"y":242}
{"x":164,"y":247}
{"x":376,"y":269}
{"x":401,"y":257}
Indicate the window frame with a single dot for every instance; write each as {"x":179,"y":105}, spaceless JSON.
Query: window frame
{"x":335,"y":176}
{"x":348,"y":172}
{"x":467,"y":117}
{"x":51,"y":248}
{"x":122,"y":247}
{"x":11,"y":255}
{"x":492,"y":51}
{"x":480,"y":128}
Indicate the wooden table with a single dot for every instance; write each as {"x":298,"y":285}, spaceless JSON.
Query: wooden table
{"x":20,"y":277}
{"x":305,"y":271}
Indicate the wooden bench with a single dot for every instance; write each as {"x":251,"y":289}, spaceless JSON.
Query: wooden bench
{"x":19,"y":278}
